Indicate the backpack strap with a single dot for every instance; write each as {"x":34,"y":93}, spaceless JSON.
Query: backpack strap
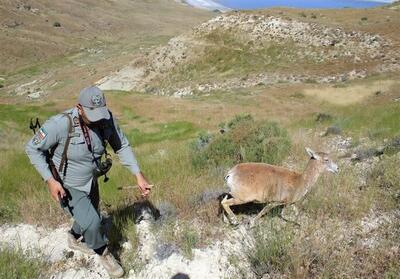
{"x":64,"y":159}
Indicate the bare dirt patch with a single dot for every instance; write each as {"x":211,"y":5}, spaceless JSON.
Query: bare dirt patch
{"x":350,"y":94}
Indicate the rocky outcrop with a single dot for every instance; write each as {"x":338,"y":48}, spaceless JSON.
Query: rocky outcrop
{"x":310,"y":43}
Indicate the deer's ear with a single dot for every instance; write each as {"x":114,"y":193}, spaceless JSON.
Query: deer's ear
{"x":311,"y":153}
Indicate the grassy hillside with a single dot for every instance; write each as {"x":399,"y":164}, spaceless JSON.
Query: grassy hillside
{"x":348,"y":223}
{"x":162,"y":139}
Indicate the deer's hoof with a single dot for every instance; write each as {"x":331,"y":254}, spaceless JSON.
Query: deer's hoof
{"x":234,"y":222}
{"x":225,"y":219}
{"x":251,"y":224}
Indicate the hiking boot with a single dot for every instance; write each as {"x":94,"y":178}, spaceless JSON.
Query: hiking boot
{"x":77,"y":244}
{"x":108,"y":261}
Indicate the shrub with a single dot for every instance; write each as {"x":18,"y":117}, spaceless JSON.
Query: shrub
{"x":333,"y":130}
{"x":57,"y":24}
{"x":189,"y":240}
{"x":323,"y":117}
{"x":244,"y":140}
{"x":386,"y":177}
{"x":271,"y":253}
{"x":298,"y":95}
{"x":393,"y":147}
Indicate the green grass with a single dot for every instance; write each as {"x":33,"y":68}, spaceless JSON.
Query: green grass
{"x":168,"y":166}
{"x":166,"y":160}
{"x":178,"y":130}
{"x":28,"y":71}
{"x":17,"y":117}
{"x":24,"y":194}
{"x":188,"y":241}
{"x":39,"y":68}
{"x":373,"y":121}
{"x":128,"y":114}
{"x":15,"y":265}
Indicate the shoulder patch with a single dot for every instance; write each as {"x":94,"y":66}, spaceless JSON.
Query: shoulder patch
{"x":76,"y":121}
{"x":40,"y":136}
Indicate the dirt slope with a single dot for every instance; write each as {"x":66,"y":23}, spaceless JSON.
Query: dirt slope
{"x":34,"y":31}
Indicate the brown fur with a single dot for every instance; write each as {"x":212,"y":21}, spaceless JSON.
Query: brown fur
{"x":263,"y":183}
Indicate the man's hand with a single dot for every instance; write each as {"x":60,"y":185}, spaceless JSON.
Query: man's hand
{"x":144,"y":186}
{"x":56,"y":190}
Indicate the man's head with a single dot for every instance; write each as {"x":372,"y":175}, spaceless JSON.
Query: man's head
{"x":92,"y":105}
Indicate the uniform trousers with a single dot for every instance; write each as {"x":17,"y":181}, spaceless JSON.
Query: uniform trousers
{"x":84,"y":209}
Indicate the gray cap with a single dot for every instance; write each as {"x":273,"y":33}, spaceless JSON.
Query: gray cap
{"x":94,"y":104}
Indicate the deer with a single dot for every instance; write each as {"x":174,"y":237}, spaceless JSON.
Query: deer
{"x":272,"y":185}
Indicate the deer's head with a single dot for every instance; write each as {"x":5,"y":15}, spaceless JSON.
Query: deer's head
{"x":324,"y":160}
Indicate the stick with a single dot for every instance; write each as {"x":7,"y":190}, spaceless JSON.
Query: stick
{"x":132,"y":187}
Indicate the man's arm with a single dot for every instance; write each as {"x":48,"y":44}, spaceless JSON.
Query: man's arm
{"x":122,"y":148}
{"x":36,"y":148}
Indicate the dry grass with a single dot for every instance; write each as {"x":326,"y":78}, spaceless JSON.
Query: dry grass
{"x":329,"y":215}
{"x":346,"y":231}
{"x":350,"y":94}
{"x":101,"y":22}
{"x":381,"y":20}
{"x":328,"y":244}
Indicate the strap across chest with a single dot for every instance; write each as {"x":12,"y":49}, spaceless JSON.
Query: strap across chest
{"x":85,"y":130}
{"x":65,"y":151}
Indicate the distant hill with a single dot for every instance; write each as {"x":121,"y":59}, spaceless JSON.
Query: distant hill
{"x":250,"y":48}
{"x":34,"y":31}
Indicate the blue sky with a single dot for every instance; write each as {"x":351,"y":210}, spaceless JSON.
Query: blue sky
{"x":254,"y":4}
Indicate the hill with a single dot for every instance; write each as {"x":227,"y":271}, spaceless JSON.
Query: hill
{"x":202,"y":92}
{"x":244,"y":49}
{"x":34,"y":31}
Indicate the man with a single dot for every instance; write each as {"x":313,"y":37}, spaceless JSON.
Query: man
{"x":77,"y":140}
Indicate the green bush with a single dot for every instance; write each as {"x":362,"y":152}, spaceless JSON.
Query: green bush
{"x":243,"y":140}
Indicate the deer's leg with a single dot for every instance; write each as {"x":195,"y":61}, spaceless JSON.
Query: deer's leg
{"x":264,"y":211}
{"x":226,"y":203}
{"x":287,"y":220}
